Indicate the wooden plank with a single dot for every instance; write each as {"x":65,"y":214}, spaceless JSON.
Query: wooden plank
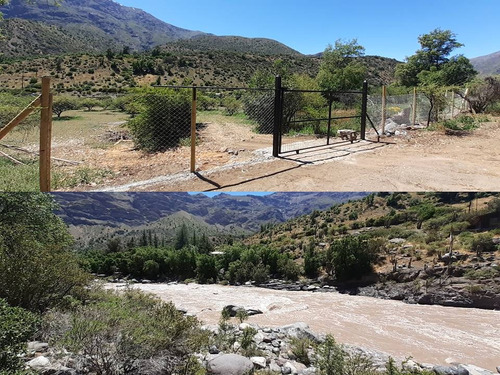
{"x":20,"y":117}
{"x":45,"y":135}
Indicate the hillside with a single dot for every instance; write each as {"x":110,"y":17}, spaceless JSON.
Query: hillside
{"x":31,"y":38}
{"x":487,"y":65}
{"x":206,"y":43}
{"x":96,"y":217}
{"x":99,"y":19}
{"x":407,"y":236}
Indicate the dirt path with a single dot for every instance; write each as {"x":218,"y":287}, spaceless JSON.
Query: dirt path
{"x":422,"y":161}
{"x":431,"y":334}
{"x":231,"y":157}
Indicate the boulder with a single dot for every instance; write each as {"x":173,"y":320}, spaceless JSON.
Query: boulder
{"x":300,"y":330}
{"x":474,"y":370}
{"x":230,"y":364}
{"x":39,"y":363}
{"x":450,"y":370}
{"x":259,"y":362}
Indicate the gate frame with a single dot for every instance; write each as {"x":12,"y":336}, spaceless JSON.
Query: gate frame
{"x":279,"y":91}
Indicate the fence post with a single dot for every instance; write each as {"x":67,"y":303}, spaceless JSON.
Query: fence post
{"x":364,"y":110}
{"x":45,"y":135}
{"x":193,"y":132}
{"x":414,"y":114}
{"x":384,"y":113}
{"x":330,"y":104}
{"x":277,"y":116}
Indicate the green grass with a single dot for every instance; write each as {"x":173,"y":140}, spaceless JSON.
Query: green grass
{"x":18,"y":177}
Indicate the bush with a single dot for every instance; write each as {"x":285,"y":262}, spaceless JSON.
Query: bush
{"x":332,"y":359}
{"x":165,"y":119}
{"x":37,"y":267}
{"x":16,"y":327}
{"x":119,"y":333}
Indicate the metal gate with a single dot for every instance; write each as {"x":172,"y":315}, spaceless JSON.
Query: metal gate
{"x":306,"y":119}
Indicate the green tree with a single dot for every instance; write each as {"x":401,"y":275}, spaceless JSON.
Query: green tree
{"x":432,"y":68}
{"x":351,"y":258}
{"x":206,"y":269}
{"x":181,"y":238}
{"x":340,"y":70}
{"x":37,"y":267}
{"x":64,"y":103}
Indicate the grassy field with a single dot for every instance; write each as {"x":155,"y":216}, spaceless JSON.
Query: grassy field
{"x":72,"y":135}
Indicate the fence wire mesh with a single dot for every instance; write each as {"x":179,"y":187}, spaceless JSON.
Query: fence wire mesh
{"x":413,"y":109}
{"x":310,"y":121}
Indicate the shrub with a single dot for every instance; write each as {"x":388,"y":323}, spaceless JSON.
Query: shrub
{"x":332,"y":359}
{"x":118,"y":333}
{"x":38,"y":269}
{"x":165,"y":119}
{"x":16,"y":327}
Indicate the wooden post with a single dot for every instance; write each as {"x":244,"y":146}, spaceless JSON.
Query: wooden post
{"x":193,"y":132}
{"x":384,"y":113}
{"x":414,"y":114}
{"x":364,"y":110}
{"x":20,"y":117}
{"x":45,"y":135}
{"x":452,"y":104}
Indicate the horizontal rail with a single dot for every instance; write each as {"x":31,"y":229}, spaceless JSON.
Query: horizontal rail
{"x":323,"y":119}
{"x":323,"y":92}
{"x":213,"y":88}
{"x":20,"y":117}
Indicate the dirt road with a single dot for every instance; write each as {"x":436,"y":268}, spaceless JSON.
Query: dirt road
{"x":431,"y":334}
{"x":421,"y":161}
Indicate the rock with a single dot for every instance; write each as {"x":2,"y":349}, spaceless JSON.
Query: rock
{"x":289,"y":368}
{"x":300,"y":330}
{"x":233,"y":310}
{"x":397,"y":240}
{"x":274,"y":367}
{"x":37,"y":346}
{"x":474,"y":370}
{"x":449,"y":370}
{"x":39,"y":363}
{"x":260,"y":362}
{"x":498,"y":369}
{"x":213,"y":350}
{"x":230,"y":364}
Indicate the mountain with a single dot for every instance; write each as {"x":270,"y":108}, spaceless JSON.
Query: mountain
{"x":101,"y":20}
{"x":238,"y":44}
{"x":135,"y":209}
{"x":487,"y":65}
{"x":95,"y":217}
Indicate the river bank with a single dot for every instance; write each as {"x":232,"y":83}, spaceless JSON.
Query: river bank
{"x":428,"y":333}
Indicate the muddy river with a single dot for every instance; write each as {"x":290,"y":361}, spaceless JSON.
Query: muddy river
{"x":430,"y":334}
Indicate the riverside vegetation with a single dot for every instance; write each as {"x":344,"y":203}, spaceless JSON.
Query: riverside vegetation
{"x":47,"y":292}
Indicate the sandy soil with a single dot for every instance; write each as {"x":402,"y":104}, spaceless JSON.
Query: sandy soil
{"x":232,"y":158}
{"x":431,"y":334}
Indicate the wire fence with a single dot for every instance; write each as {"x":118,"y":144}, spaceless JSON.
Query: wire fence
{"x":412,"y":109}
{"x":164,"y":131}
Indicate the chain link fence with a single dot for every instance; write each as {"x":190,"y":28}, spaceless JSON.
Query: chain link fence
{"x":412,"y":109}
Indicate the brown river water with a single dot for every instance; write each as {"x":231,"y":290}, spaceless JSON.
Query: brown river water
{"x":429,"y":334}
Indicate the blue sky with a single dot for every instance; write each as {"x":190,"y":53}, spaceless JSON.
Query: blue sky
{"x":388,"y":28}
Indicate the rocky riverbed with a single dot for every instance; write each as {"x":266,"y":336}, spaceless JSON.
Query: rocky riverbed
{"x":430,"y":334}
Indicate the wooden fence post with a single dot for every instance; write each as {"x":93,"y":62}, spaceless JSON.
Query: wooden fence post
{"x":414,"y":112}
{"x":45,"y":135}
{"x":193,"y":132}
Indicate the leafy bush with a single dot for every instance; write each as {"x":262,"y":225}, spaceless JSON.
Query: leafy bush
{"x":351,"y":257}
{"x":37,"y":267}
{"x":332,"y":359}
{"x":119,"y":333}
{"x":16,"y":327}
{"x":164,"y":120}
